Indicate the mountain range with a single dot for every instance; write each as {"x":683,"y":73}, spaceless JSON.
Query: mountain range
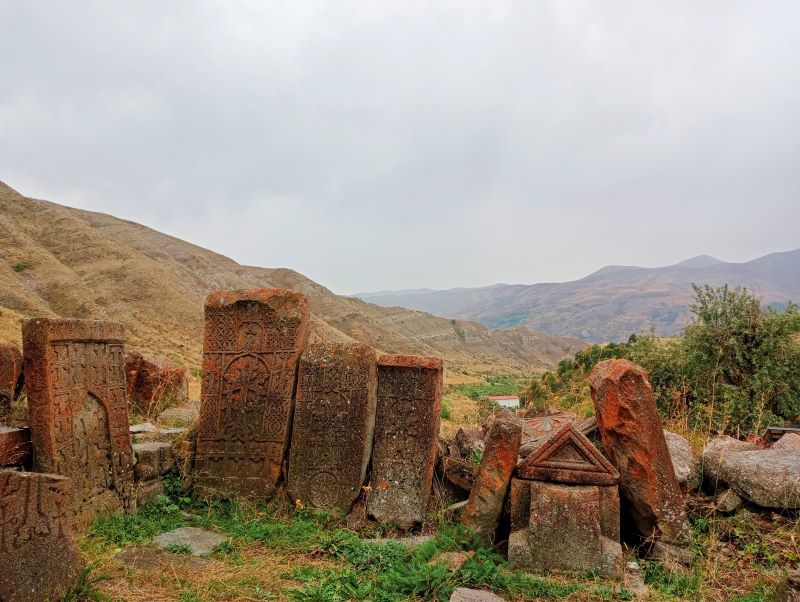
{"x":62,"y":262}
{"x":609,"y":304}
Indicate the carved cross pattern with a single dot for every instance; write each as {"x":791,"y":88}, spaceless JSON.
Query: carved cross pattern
{"x":247,"y":384}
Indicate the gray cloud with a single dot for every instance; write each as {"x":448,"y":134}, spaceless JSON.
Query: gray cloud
{"x":377,"y":145}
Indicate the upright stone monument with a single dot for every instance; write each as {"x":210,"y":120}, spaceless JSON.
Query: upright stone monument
{"x":251,"y":349}
{"x":334,"y":420}
{"x":77,"y":410}
{"x":406,"y":433}
{"x":38,"y":557}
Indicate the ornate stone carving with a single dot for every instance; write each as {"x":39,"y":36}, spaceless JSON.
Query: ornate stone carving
{"x":253,"y":341}
{"x":77,"y":410}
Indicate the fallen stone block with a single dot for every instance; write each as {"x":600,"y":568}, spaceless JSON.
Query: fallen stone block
{"x":198,"y":541}
{"x":687,"y":469}
{"x":153,"y":459}
{"x":463,"y":594}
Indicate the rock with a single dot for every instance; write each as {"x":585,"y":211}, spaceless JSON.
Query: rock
{"x":334,"y":423}
{"x":463,"y":594}
{"x":687,"y":471}
{"x":75,"y":378}
{"x":10,"y":375}
{"x":633,"y":439}
{"x":38,"y":555}
{"x":199,"y":541}
{"x":469,"y":441}
{"x":153,"y":460}
{"x":675,"y":557}
{"x":789,"y":442}
{"x":143,"y":427}
{"x":789,"y":589}
{"x":459,"y":472}
{"x":150,"y":559}
{"x":251,"y":349}
{"x":152,"y":433}
{"x":485,"y":504}
{"x":406,"y":435}
{"x":15,"y":446}
{"x":407,"y":542}
{"x":152,"y":381}
{"x":548,"y":425}
{"x":634,"y":581}
{"x":727,"y":501}
{"x":147,"y":491}
{"x":452,"y":560}
{"x":714,"y":452}
{"x":769,"y":478}
{"x":183,"y":415}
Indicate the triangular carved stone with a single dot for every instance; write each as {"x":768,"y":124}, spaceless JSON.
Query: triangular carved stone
{"x":568,"y":457}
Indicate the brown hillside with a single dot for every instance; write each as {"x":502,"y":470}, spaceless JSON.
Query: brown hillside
{"x":59,"y":261}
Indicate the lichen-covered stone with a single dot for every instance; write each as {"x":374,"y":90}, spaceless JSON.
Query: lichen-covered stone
{"x":334,"y":422}
{"x":152,"y":381}
{"x":769,"y":478}
{"x":406,"y":435}
{"x":687,"y":471}
{"x":713,"y":454}
{"x":153,"y":459}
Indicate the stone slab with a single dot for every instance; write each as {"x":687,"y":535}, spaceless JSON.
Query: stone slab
{"x":464,"y":594}
{"x":334,"y":422}
{"x":199,"y":541}
{"x":153,"y":459}
{"x":15,"y":446}
{"x":252,"y":345}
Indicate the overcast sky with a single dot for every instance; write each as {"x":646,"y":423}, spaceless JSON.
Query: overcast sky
{"x":385,"y":145}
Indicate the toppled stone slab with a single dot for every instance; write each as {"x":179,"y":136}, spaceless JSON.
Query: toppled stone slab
{"x":460,"y":473}
{"x":633,"y":439}
{"x":77,"y":410}
{"x":687,"y":470}
{"x":334,"y":422}
{"x":150,"y":559}
{"x":469,"y":441}
{"x":406,"y":436}
{"x":727,"y":501}
{"x":549,"y":425}
{"x":199,"y":541}
{"x":463,"y":594}
{"x":153,"y":459}
{"x":183,"y":415}
{"x":251,"y":348}
{"x":485,"y":504}
{"x":38,"y":557}
{"x":10,"y":375}
{"x":150,"y":381}
{"x":15,"y":446}
{"x":153,"y":433}
{"x":713,"y":454}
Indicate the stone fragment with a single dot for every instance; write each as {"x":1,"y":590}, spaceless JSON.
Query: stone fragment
{"x":769,"y":478}
{"x":184,"y":415}
{"x":687,"y":471}
{"x":713,"y":454}
{"x":152,"y":381}
{"x":464,"y":594}
{"x":789,"y":442}
{"x":147,"y":491}
{"x":77,"y":410}
{"x":153,"y":459}
{"x":469,"y":441}
{"x":10,"y":375}
{"x":15,"y":446}
{"x":334,"y":422}
{"x":633,"y":439}
{"x":727,"y":501}
{"x":39,"y":560}
{"x":151,"y":559}
{"x":454,"y":561}
{"x":252,"y":345}
{"x":548,"y":425}
{"x":564,"y":527}
{"x":199,"y":541}
{"x":485,"y":504}
{"x":459,"y":472}
{"x":406,"y":433}
{"x":412,"y":541}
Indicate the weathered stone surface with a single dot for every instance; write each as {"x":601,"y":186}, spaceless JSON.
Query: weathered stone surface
{"x":769,"y":478}
{"x":485,"y":504}
{"x":77,"y":410}
{"x":153,"y":459}
{"x":790,"y":441}
{"x":633,"y":439}
{"x":412,"y":541}
{"x":568,"y":457}
{"x":151,"y":559}
{"x":464,"y":594}
{"x":15,"y":446}
{"x":713,"y":454}
{"x":406,"y":433}
{"x":38,"y":557}
{"x":564,"y":527}
{"x":549,"y":425}
{"x":182,"y":415}
{"x":198,"y":540}
{"x":334,"y":422}
{"x":10,"y":374}
{"x":252,"y":346}
{"x":727,"y":501}
{"x":153,"y":380}
{"x":469,"y":441}
{"x":454,"y":561}
{"x":460,"y":473}
{"x":687,"y":471}
{"x":146,"y":491}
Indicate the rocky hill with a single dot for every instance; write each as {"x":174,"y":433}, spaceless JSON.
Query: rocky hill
{"x":611,"y":303}
{"x":59,"y":261}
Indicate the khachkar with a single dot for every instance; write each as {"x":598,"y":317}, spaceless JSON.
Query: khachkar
{"x":334,"y":420}
{"x":252,"y":345}
{"x":406,"y":433}
{"x":38,"y":557}
{"x":77,"y":410}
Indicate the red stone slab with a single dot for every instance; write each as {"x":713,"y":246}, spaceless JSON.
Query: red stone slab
{"x":251,"y":348}
{"x":77,"y":411}
{"x":15,"y":446}
{"x":38,"y":557}
{"x":406,"y":434}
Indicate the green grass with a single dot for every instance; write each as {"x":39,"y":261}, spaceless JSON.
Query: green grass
{"x":20,"y":266}
{"x":505,"y":384}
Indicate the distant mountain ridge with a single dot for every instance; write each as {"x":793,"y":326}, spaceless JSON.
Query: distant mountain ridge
{"x":611,"y":303}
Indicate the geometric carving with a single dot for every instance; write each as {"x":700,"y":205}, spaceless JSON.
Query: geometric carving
{"x":568,"y":457}
{"x":251,"y":347}
{"x":38,"y":555}
{"x":77,"y":410}
{"x":406,"y":436}
{"x":541,"y":426}
{"x":334,"y":421}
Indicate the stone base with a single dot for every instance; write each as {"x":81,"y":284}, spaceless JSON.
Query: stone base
{"x":147,"y":491}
